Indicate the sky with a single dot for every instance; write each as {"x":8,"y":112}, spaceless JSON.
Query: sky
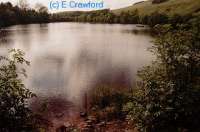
{"x":112,"y":4}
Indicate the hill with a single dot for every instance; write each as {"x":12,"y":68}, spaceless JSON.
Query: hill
{"x":170,"y":7}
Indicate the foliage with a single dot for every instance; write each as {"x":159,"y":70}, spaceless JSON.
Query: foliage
{"x":14,"y":112}
{"x":100,"y":16}
{"x":125,"y":17}
{"x":106,"y":16}
{"x":168,"y":97}
{"x":10,"y":14}
{"x":129,"y":17}
{"x":155,"y":18}
{"x":108,"y":101}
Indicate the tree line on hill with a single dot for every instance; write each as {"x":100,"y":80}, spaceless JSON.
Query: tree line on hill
{"x":125,"y":17}
{"x":158,"y":1}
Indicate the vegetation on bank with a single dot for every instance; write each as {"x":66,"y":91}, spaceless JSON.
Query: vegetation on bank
{"x":107,"y":102}
{"x":22,"y":14}
{"x":168,"y":95}
{"x":14,"y":112}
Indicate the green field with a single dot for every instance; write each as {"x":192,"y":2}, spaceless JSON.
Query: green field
{"x":170,"y":7}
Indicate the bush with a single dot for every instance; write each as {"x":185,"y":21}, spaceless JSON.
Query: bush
{"x":14,"y":112}
{"x":168,"y":97}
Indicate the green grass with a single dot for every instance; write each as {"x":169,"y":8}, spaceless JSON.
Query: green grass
{"x":170,"y":7}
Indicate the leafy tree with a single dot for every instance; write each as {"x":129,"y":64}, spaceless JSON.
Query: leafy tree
{"x":10,"y":14}
{"x":23,"y":4}
{"x":168,"y":95}
{"x":157,"y":18}
{"x":14,"y":113}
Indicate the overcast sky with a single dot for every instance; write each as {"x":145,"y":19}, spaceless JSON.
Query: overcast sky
{"x":112,"y":4}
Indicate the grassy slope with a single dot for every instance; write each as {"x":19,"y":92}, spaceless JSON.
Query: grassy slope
{"x":170,"y":7}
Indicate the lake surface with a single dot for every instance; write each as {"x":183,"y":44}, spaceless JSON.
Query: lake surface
{"x":68,"y":59}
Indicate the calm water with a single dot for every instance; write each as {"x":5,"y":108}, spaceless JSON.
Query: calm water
{"x":70,"y":58}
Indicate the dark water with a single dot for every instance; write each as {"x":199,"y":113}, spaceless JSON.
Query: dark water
{"x":69,"y":58}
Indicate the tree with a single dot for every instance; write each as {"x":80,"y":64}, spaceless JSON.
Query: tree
{"x":23,"y":4}
{"x":157,"y":18}
{"x":43,"y":15}
{"x":14,"y":112}
{"x":41,"y":8}
{"x":168,"y":95}
{"x":134,"y":17}
{"x":10,"y":14}
{"x":158,"y":1}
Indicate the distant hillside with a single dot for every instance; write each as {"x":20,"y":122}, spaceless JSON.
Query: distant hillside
{"x":170,"y":7}
{"x":150,"y":12}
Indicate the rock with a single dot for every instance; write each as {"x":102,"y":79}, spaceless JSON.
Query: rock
{"x":101,"y":124}
{"x":83,"y":114}
{"x":92,"y":118}
{"x":85,"y":130}
{"x":109,"y":123}
{"x":59,"y":115}
{"x":89,"y":122}
{"x":61,"y":129}
{"x":67,"y":125}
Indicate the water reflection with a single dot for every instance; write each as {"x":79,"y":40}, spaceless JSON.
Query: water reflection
{"x":4,"y":39}
{"x":70,"y":58}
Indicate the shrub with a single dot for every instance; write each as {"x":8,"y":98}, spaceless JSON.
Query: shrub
{"x":168,"y":97}
{"x":14,"y":112}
